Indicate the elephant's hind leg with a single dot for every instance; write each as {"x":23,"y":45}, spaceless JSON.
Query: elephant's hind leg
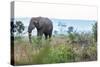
{"x":46,"y":36}
{"x":50,"y":35}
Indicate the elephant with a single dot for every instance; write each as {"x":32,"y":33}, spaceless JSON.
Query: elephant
{"x":43,"y":25}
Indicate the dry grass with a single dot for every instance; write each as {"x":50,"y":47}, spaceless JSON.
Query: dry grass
{"x":26,"y":53}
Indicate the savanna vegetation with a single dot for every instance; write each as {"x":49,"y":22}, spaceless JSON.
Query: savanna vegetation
{"x":73,"y":47}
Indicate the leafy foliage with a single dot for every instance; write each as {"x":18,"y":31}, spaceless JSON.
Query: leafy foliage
{"x":72,"y":36}
{"x":19,"y":27}
{"x":60,"y":54}
{"x":55,"y":32}
{"x":70,"y":29}
{"x":94,"y":29}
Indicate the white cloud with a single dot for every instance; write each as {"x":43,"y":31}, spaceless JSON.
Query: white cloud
{"x":31,"y":9}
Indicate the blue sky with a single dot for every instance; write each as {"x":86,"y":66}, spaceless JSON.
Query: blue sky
{"x":78,"y":24}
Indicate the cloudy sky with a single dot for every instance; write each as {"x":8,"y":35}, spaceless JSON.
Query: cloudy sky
{"x":51,"y":10}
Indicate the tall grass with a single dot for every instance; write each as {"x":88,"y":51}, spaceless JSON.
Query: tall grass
{"x":56,"y":50}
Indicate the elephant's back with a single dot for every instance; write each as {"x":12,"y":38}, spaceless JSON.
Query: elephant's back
{"x":47,"y":23}
{"x":46,"y":20}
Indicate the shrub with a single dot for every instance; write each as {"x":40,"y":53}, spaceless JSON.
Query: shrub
{"x":94,"y":30}
{"x":88,"y":53}
{"x":60,"y":54}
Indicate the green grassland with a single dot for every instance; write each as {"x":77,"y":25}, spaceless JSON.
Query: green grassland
{"x":58,"y":49}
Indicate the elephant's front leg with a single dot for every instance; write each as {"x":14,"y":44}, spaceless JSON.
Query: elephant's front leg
{"x":39,"y":34}
{"x":29,"y":34}
{"x":39,"y":37}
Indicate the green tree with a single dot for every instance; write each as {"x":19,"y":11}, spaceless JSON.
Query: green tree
{"x":55,"y":32}
{"x":70,"y":29}
{"x":71,"y":33}
{"x":94,"y":29}
{"x":19,"y":27}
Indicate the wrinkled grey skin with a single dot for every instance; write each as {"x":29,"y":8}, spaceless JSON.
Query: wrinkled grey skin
{"x":43,"y":26}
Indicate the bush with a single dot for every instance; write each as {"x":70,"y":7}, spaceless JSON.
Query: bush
{"x":90,"y":52}
{"x":94,"y":30}
{"x":60,"y":54}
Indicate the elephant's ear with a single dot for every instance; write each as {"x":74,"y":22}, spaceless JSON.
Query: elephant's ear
{"x":37,"y":22}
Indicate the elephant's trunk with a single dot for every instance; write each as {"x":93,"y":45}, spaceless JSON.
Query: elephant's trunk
{"x":30,"y":28}
{"x":29,"y":34}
